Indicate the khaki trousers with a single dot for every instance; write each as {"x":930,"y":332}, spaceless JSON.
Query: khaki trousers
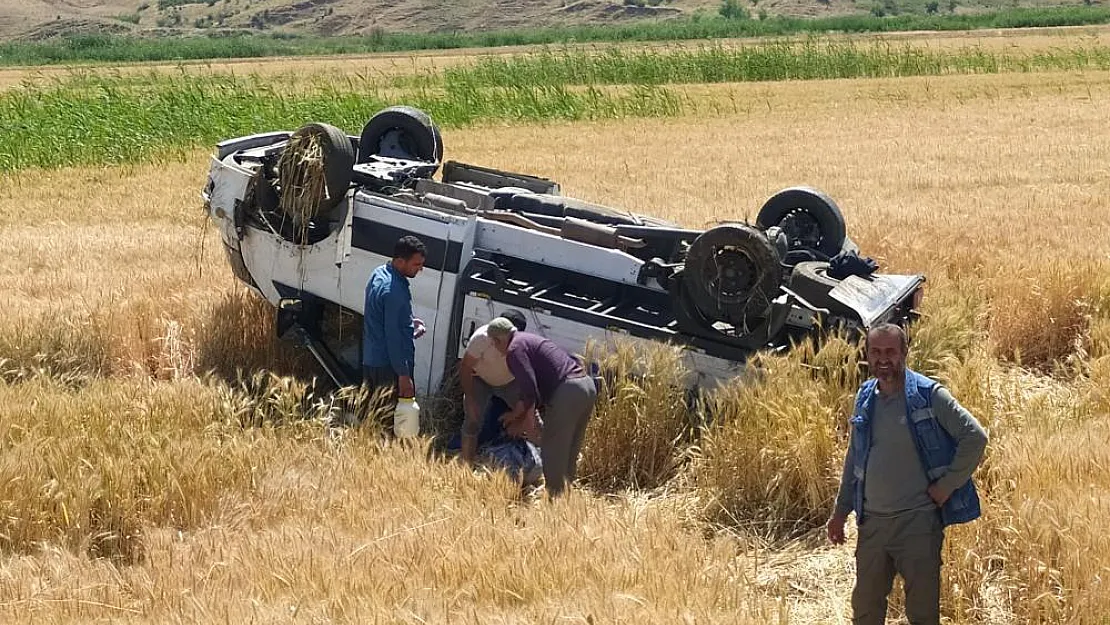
{"x":564,"y":430}
{"x":908,"y":544}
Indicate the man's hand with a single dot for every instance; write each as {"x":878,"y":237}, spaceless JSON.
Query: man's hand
{"x":526,"y":427}
{"x":469,"y":448}
{"x":938,"y":496}
{"x":418,"y":328}
{"x":405,"y":387}
{"x":836,"y":528}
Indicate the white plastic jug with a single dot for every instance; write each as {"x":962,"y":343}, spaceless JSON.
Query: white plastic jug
{"x":406,"y":418}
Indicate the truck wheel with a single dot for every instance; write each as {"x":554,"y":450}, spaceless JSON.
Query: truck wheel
{"x":401,"y":132}
{"x":810,"y":219}
{"x":733,"y":273}
{"x":315,"y":171}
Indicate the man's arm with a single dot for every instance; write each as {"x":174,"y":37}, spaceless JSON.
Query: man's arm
{"x":971,"y":440}
{"x":525,"y":377}
{"x":471,"y":414}
{"x":399,"y":343}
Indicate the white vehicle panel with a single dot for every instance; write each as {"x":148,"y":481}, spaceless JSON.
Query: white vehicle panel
{"x":573,"y":337}
{"x":547,"y":249}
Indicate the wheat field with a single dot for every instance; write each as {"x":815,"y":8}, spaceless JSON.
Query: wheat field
{"x":142,"y":481}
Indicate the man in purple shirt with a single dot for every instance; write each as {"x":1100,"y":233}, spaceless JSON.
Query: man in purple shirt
{"x":551,"y":380}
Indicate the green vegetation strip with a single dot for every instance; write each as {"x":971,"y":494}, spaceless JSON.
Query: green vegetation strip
{"x":87,"y":121}
{"x":781,"y":61}
{"x":225,"y":44}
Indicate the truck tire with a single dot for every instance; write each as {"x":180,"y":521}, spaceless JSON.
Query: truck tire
{"x":732,"y":273}
{"x":811,"y":219}
{"x":401,"y":132}
{"x":811,"y":280}
{"x":337,"y":157}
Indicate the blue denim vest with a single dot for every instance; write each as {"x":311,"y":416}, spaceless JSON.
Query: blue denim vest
{"x":935,"y":446}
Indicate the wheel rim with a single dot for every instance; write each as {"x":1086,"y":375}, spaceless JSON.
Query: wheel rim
{"x":802,"y":229}
{"x":396,"y":143}
{"x":730,"y":276}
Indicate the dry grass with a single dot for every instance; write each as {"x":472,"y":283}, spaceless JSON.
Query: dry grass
{"x":773,"y":447}
{"x":642,"y":424}
{"x":279,"y":525}
{"x":119,"y":299}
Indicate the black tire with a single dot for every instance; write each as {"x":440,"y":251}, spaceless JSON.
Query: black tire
{"x":732,"y":273}
{"x":537,"y":203}
{"x":811,"y":219}
{"x":401,"y":132}
{"x":811,"y":281}
{"x":338,"y":157}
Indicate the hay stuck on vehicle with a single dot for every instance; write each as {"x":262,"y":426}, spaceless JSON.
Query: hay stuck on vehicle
{"x":302,"y":171}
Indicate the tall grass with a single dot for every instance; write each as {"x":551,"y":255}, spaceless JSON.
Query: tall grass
{"x":642,"y":427}
{"x":93,"y":469}
{"x":114,"y":49}
{"x":213,"y":519}
{"x":107,"y":120}
{"x":810,"y":60}
{"x":1040,"y":315}
{"x":104,"y":119}
{"x":773,"y":450}
{"x":59,"y":348}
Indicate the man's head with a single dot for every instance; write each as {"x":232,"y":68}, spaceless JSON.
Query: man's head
{"x":408,"y":256}
{"x":517,"y":318}
{"x":500,"y":332}
{"x":887,"y":346}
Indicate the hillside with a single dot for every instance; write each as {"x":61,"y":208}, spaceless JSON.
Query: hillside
{"x":43,"y":19}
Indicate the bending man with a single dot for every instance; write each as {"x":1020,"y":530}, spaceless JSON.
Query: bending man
{"x":483,"y":375}
{"x":549,"y":379}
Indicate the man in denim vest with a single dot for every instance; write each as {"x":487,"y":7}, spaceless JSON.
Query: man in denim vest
{"x":907,"y":475}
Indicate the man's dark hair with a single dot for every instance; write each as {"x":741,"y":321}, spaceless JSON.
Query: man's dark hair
{"x":517,"y":318}
{"x":408,"y":246}
{"x":889,"y":328}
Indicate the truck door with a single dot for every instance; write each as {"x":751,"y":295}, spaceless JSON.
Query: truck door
{"x":458,"y":244}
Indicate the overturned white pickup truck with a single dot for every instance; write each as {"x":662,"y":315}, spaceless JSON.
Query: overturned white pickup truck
{"x":306,"y":216}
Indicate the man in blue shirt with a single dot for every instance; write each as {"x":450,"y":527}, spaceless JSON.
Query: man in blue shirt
{"x":388,"y":327}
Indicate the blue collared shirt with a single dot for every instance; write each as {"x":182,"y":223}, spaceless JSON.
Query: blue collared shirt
{"x":387,"y":339}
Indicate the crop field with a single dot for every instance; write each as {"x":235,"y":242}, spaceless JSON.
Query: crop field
{"x":162,"y":455}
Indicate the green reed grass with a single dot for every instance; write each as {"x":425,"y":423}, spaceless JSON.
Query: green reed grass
{"x":93,"y":119}
{"x":809,"y":60}
{"x":119,"y":120}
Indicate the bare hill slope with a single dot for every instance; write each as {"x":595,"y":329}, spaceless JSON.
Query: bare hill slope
{"x":42,"y":19}
{"x":37,"y":19}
